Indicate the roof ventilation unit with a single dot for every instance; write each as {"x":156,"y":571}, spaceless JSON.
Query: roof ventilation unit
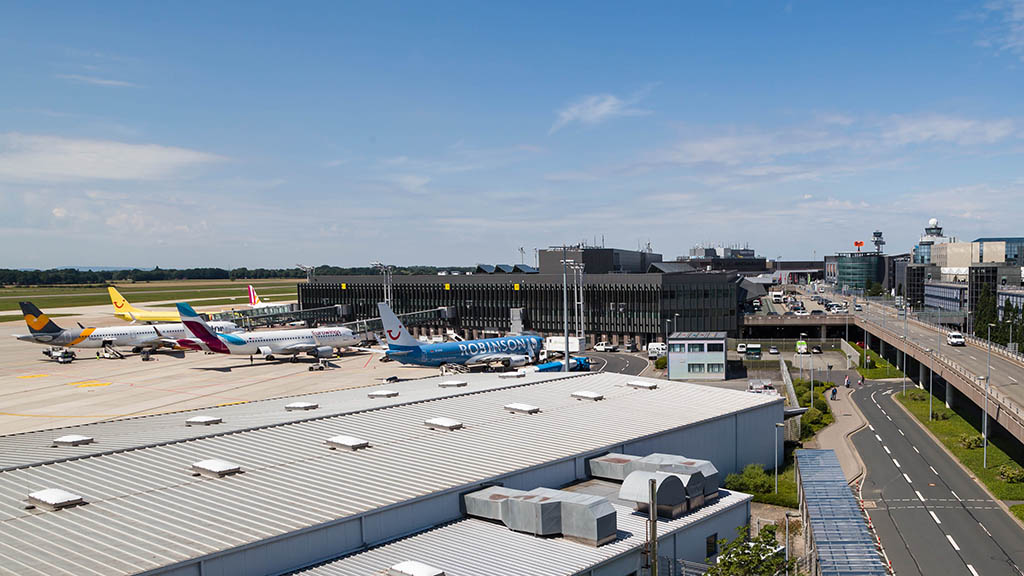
{"x":520,"y":408}
{"x":452,"y":383}
{"x":382,"y":394}
{"x":203,"y":421}
{"x":347,"y":443}
{"x":546,"y":512}
{"x":587,"y":395}
{"x":613,"y":466}
{"x":72,"y":440}
{"x":294,"y":406}
{"x":643,"y":384}
{"x":54,"y":499}
{"x":512,"y":375}
{"x":677,"y":493}
{"x":414,"y":568}
{"x":448,"y":424}
{"x":215,"y":468}
{"x":618,"y":466}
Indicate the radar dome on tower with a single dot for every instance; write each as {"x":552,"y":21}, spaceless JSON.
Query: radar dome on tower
{"x":933,"y":222}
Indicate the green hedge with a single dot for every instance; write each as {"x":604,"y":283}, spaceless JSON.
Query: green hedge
{"x":880,"y":367}
{"x":819,"y":413}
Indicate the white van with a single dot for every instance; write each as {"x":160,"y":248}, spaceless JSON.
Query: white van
{"x":656,"y":350}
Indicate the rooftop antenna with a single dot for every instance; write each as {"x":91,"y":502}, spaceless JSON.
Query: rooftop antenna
{"x":522,"y":255}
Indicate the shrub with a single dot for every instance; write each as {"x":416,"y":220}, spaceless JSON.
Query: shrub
{"x":942,"y":414}
{"x":1011,"y":473}
{"x":661,"y":363}
{"x":970,"y":441}
{"x":753,"y":480}
{"x":821,"y":405}
{"x":917,"y":395}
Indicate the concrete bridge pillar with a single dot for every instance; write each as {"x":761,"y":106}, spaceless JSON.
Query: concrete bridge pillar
{"x":881,"y":348}
{"x":950,"y":395}
{"x":824,"y":331}
{"x":922,"y":374}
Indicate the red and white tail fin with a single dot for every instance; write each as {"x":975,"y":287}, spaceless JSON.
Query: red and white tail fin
{"x":254,"y":300}
{"x":398,"y":337}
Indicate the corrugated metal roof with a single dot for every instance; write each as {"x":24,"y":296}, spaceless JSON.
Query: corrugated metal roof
{"x":473,"y":547}
{"x":31,"y":448}
{"x":697,"y":336}
{"x":144,"y":510}
{"x":843,"y":543}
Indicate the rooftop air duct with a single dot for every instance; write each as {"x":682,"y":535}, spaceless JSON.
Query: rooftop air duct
{"x":677,"y":493}
{"x":546,"y":512}
{"x":614,"y":466}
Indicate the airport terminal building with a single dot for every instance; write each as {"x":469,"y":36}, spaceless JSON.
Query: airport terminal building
{"x":640,"y":304}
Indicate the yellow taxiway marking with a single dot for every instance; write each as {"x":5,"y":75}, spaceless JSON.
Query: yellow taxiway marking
{"x":233,"y":403}
{"x":33,"y":376}
{"x":88,"y":384}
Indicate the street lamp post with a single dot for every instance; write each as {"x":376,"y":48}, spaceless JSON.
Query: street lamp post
{"x":777,"y":426}
{"x":931,"y":373}
{"x":906,"y":313}
{"x":675,"y":322}
{"x":565,"y":309}
{"x":984,"y":422}
{"x":828,"y":377}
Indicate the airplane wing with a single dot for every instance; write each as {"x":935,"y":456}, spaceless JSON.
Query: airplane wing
{"x":379,"y":351}
{"x":299,"y":348}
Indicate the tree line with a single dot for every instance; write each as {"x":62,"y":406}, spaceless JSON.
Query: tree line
{"x":987,"y":312}
{"x":63,"y":276}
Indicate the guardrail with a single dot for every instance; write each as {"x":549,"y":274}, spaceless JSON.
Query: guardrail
{"x":792,"y":426}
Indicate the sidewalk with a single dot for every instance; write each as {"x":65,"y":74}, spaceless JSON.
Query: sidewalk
{"x":837,"y":435}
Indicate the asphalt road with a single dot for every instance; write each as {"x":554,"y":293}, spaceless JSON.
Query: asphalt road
{"x":931,"y":516}
{"x":617,"y":362}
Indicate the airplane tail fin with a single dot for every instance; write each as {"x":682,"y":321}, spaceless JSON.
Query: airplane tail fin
{"x":121,"y":304}
{"x":254,"y":299}
{"x":38,"y":323}
{"x":397,"y":334}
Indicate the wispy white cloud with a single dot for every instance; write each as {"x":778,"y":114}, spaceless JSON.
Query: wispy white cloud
{"x":597,"y":108}
{"x":904,"y":130}
{"x":96,"y":81}
{"x":1003,"y":26}
{"x":25,"y":157}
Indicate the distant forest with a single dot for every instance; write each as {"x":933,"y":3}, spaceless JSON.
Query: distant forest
{"x":72,"y":276}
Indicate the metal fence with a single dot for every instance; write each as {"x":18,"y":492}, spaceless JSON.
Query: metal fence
{"x":669,"y":567}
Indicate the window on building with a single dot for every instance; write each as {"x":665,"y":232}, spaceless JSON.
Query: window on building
{"x":698,"y":347}
{"x":695,"y":368}
{"x":711,"y":546}
{"x":677,"y":348}
{"x":716,"y":347}
{"x":716,"y":368}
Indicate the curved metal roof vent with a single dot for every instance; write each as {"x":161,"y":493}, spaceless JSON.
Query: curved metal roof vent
{"x":382,"y":394}
{"x":215,"y":468}
{"x":587,"y":395}
{"x":520,"y":408}
{"x":54,"y":499}
{"x":350,"y":443}
{"x":301,"y":406}
{"x":203,"y":421}
{"x":452,"y":383}
{"x":512,"y":375}
{"x":414,"y":568}
{"x":448,"y":424}
{"x":642,"y":384}
{"x":72,"y":440}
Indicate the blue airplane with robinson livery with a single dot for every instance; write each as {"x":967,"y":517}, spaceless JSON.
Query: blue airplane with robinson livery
{"x":512,"y":351}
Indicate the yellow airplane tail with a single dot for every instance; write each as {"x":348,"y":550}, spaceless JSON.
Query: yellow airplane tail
{"x":121,"y":306}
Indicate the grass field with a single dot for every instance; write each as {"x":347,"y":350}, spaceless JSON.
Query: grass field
{"x":19,"y":317}
{"x":269,"y":298}
{"x":955,"y":423}
{"x":882,"y":369}
{"x":53,"y":297}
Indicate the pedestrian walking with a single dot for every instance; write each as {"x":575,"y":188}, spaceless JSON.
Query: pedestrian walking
{"x":846,"y":383}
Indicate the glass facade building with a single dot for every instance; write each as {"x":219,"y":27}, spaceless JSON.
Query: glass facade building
{"x":638,"y":307}
{"x":857,"y":270}
{"x":1014,"y":249}
{"x":950,"y":296}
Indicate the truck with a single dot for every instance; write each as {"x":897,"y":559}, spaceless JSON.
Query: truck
{"x":801,"y":347}
{"x":557,"y":344}
{"x":656,"y":350}
{"x":776,"y":296}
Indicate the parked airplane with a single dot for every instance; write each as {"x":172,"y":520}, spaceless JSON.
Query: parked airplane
{"x":125,"y":311}
{"x":402,"y":347}
{"x":317,"y":342}
{"x":43,"y":330}
{"x":255,"y":302}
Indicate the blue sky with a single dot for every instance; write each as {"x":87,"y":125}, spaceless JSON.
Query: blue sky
{"x":260,"y":134}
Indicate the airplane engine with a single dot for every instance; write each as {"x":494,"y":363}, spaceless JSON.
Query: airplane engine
{"x":322,"y":352}
{"x":517,"y":361}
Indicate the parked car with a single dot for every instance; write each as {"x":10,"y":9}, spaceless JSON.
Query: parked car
{"x":629,"y":346}
{"x":741,"y":348}
{"x":773,"y":350}
{"x":817,"y":312}
{"x":858,"y":307}
{"x":815,"y":349}
{"x":605,"y":347}
{"x":955,"y":339}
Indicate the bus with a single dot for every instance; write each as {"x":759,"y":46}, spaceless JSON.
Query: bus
{"x":753,"y":352}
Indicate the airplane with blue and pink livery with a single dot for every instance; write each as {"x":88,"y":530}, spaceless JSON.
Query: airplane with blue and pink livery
{"x":316,"y":342}
{"x":511,"y":351}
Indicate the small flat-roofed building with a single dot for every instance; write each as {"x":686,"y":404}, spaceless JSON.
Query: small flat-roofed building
{"x":696,"y":356}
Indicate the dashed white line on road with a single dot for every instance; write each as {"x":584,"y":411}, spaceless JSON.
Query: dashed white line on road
{"x":953,"y":542}
{"x":889,"y":417}
{"x":955,"y":496}
{"x":985,"y":529}
{"x":934,"y":517}
{"x":870,"y":427}
{"x":972,"y":357}
{"x":973,"y":571}
{"x":909,"y":481}
{"x":919,"y":497}
{"x":901,"y":432}
{"x":934,"y":471}
{"x":1012,"y":379}
{"x":883,"y":412}
{"x":896,"y":462}
{"x":886,"y":448}
{"x":879,"y":437}
{"x":915,"y":449}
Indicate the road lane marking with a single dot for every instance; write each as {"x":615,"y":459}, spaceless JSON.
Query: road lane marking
{"x":953,"y":542}
{"x":883,"y":412}
{"x":934,"y":517}
{"x":901,"y":432}
{"x":972,"y":357}
{"x":870,"y":427}
{"x":919,"y":497}
{"x":33,"y":376}
{"x":890,"y":419}
{"x":934,"y":471}
{"x":955,"y":496}
{"x":909,"y":481}
{"x":879,"y":437}
{"x":886,"y":448}
{"x":915,"y":449}
{"x":896,"y":462}
{"x":973,"y":571}
{"x":985,"y":529}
